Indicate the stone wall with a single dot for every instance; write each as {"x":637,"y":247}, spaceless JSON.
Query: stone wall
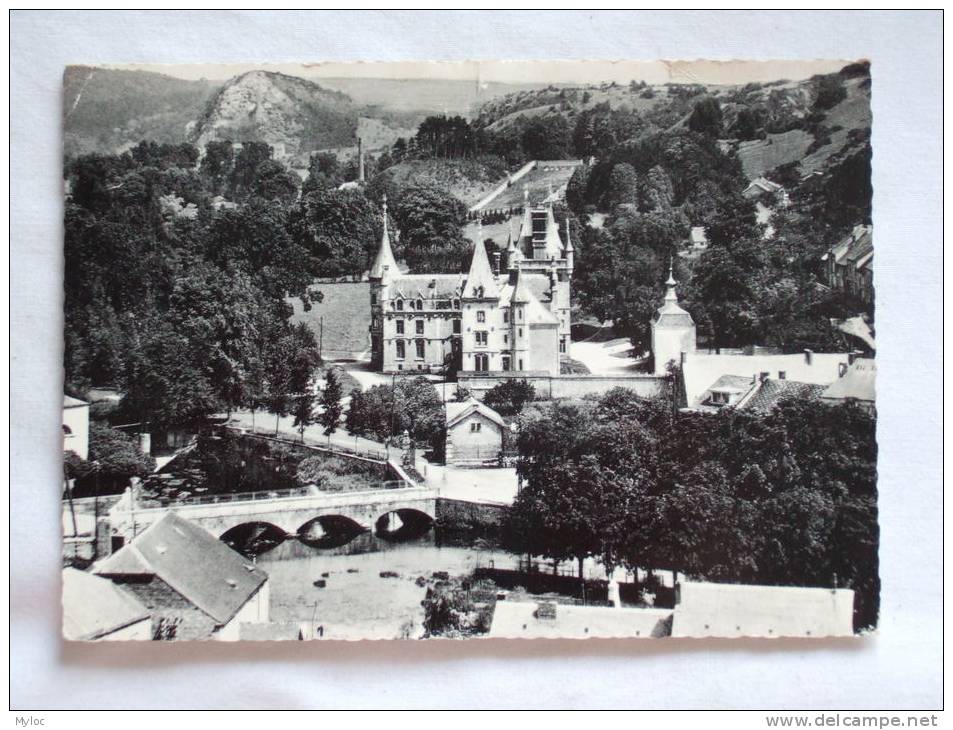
{"x":566,"y":386}
{"x":460,"y":513}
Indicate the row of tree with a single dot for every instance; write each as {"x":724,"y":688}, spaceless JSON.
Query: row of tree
{"x":784,"y":499}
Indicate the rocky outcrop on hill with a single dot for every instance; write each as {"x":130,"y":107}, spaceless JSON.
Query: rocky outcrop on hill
{"x":287,"y":112}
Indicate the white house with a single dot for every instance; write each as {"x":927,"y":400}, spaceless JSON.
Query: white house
{"x":194,"y":584}
{"x":475,"y":433}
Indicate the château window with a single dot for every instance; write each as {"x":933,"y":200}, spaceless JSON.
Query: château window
{"x":481,"y":338}
{"x":479,"y":292}
{"x":456,"y":304}
{"x":506,"y":362}
{"x":401,"y":351}
{"x":400,"y":305}
{"x":562,"y":344}
{"x":481,"y":316}
{"x":506,"y":316}
{"x":400,"y":326}
{"x":456,"y":326}
{"x":420,"y":349}
{"x":519,"y":332}
{"x":476,"y":427}
{"x":419,"y":324}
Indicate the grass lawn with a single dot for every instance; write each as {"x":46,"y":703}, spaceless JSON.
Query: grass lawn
{"x":346,"y":313}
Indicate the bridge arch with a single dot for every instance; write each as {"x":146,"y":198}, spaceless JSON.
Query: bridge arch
{"x":329,"y":531}
{"x":401,"y":524}
{"x":253,"y":538}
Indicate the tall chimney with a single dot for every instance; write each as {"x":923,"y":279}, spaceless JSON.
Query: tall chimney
{"x":360,"y":160}
{"x":808,"y":356}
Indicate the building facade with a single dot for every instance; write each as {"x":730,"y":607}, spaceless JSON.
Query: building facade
{"x":849,"y":264}
{"x":511,"y":315}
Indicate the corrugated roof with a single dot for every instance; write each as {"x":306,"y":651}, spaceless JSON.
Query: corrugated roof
{"x":859,"y":383}
{"x":94,"y":607}
{"x":204,"y":570}
{"x":730,"y":610}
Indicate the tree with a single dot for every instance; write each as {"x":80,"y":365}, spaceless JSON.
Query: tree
{"x":331,"y":408}
{"x":116,"y":454}
{"x":431,"y":224}
{"x":509,"y":397}
{"x":829,"y":91}
{"x":623,"y":186}
{"x":303,"y":412}
{"x":706,"y":117}
{"x":546,"y":138}
{"x":339,"y":229}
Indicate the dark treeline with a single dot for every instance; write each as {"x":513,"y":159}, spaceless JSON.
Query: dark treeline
{"x":178,"y":267}
{"x":784,"y":499}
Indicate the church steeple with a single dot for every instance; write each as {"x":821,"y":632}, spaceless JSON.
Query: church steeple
{"x":385,"y":265}
{"x":481,"y":283}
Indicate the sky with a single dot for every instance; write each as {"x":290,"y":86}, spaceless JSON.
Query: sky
{"x":555,"y":72}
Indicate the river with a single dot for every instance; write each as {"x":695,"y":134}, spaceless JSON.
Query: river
{"x":356,"y":602}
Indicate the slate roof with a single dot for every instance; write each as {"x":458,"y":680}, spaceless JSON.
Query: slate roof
{"x":426,"y":286}
{"x":771,"y":391}
{"x":204,"y":570}
{"x":854,"y":246}
{"x":858,"y":383}
{"x":481,"y":275}
{"x":456,"y":412}
{"x":94,"y":607}
{"x":731,"y":383}
{"x":385,"y":256}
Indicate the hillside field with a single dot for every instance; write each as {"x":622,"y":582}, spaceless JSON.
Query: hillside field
{"x":346,"y":309}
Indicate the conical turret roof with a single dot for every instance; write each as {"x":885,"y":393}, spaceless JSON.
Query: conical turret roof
{"x":481,"y":282}
{"x":385,"y":260}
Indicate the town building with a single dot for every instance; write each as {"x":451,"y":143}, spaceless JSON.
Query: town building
{"x":547,"y":619}
{"x":762,"y":186}
{"x":509,"y":316}
{"x":702,"y":610}
{"x":475,"y":433}
{"x":849,"y":264}
{"x":673,"y":330}
{"x":95,"y":609}
{"x":76,"y":426}
{"x":728,"y":610}
{"x":758,"y":393}
{"x":856,"y":384}
{"x":194,"y":585}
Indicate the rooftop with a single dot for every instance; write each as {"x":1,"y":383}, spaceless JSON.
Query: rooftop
{"x":702,"y":369}
{"x":94,"y":607}
{"x":767,"y":394}
{"x":71,"y":402}
{"x":858,"y":383}
{"x":458,"y":411}
{"x":204,"y":570}
{"x":730,"y":610}
{"x":523,"y":620}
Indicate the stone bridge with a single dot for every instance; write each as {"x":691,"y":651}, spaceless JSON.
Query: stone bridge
{"x":290,"y":511}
